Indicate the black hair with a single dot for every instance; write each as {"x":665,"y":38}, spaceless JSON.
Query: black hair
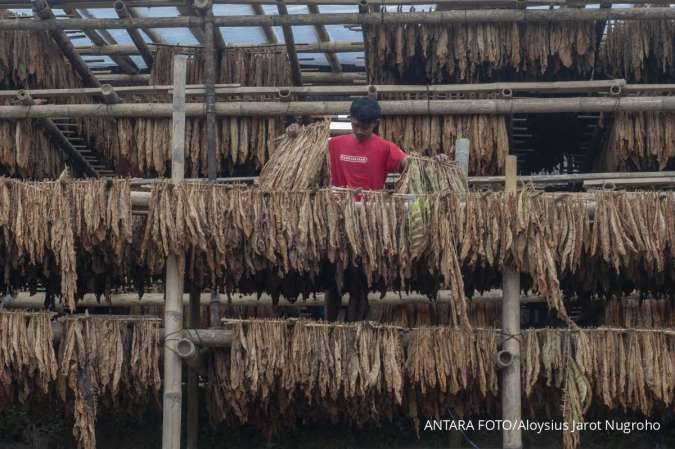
{"x":365,"y":110}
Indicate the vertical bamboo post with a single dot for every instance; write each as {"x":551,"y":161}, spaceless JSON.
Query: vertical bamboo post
{"x":510,"y":388}
{"x":462,"y":149}
{"x":210,"y":81}
{"x":193,"y":375}
{"x":173,"y":309}
{"x":214,"y":308}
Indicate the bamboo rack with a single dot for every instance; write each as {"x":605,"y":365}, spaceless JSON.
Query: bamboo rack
{"x":408,"y":107}
{"x":436,"y":17}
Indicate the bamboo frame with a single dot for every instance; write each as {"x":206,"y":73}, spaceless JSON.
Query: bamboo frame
{"x":437,"y":17}
{"x":405,"y":107}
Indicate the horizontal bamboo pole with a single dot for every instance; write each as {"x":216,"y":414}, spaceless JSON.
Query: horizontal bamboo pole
{"x":601,"y":87}
{"x":318,"y":47}
{"x":404,"y":107}
{"x":310,"y":77}
{"x":436,"y":17}
{"x":448,"y":3}
{"x":25,"y":300}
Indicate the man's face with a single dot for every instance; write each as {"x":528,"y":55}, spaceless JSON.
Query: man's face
{"x":362,"y":130}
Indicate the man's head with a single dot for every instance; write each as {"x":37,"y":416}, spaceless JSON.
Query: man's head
{"x":365,"y":115}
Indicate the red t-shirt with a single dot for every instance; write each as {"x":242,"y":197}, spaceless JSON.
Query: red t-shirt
{"x":363,"y":164}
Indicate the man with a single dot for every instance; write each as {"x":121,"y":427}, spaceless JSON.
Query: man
{"x":361,"y":159}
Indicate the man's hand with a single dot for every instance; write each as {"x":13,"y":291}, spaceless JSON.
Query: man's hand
{"x":442,"y":157}
{"x":293,"y":130}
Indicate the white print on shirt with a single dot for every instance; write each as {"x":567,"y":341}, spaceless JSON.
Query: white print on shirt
{"x":357,"y":159}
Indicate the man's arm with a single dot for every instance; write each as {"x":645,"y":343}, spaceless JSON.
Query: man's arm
{"x":404,"y":163}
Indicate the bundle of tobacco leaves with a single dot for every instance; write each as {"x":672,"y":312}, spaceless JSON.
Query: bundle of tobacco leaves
{"x":639,"y":50}
{"x":437,"y":134}
{"x":473,"y":52}
{"x":641,"y":141}
{"x":299,"y":162}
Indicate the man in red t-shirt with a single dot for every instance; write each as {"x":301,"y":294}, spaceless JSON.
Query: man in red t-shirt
{"x":361,"y":159}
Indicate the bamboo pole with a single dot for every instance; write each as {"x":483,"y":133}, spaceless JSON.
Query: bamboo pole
{"x":600,"y":87}
{"x":210,"y":80}
{"x":329,"y":77}
{"x":454,"y":3}
{"x":270,"y":36}
{"x":324,"y":36}
{"x":289,"y":40}
{"x":510,"y":387}
{"x":316,"y":47}
{"x":311,"y":77}
{"x":403,"y":107}
{"x":193,"y":377}
{"x":173,"y":310}
{"x":100,"y":39}
{"x":123,"y":13}
{"x":436,"y":17}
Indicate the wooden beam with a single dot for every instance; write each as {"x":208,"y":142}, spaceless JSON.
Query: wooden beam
{"x":102,"y":39}
{"x":322,"y":34}
{"x":45,"y":14}
{"x":289,"y":40}
{"x":270,"y":36}
{"x":123,"y":13}
{"x":436,"y":17}
{"x":405,"y":107}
